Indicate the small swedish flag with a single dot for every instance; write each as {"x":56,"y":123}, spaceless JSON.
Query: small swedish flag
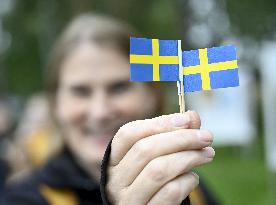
{"x":210,"y":68}
{"x":154,"y":60}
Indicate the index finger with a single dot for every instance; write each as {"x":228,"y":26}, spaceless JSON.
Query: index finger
{"x":132,"y":132}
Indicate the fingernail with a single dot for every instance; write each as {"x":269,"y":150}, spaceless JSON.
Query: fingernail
{"x":205,"y":135}
{"x":209,"y":152}
{"x":196,"y":175}
{"x":179,"y":120}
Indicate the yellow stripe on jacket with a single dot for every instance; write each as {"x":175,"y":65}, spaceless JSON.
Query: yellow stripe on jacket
{"x":197,"y":197}
{"x":58,"y":196}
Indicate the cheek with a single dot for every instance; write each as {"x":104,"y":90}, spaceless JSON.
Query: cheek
{"x":67,"y":112}
{"x":138,"y":104}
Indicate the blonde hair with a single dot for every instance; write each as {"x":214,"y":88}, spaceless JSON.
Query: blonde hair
{"x":95,"y":29}
{"x":87,"y":28}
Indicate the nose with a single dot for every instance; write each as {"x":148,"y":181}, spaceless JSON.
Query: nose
{"x":99,"y":108}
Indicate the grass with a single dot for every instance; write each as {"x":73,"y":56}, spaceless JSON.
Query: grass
{"x":239,"y":177}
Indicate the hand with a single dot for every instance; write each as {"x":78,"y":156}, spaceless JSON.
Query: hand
{"x":151,"y":160}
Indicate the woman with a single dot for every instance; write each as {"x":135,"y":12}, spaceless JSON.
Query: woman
{"x":150,"y":161}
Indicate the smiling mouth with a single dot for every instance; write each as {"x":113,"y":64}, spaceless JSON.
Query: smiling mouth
{"x":98,"y":139}
{"x":87,"y":132}
{"x":102,"y":133}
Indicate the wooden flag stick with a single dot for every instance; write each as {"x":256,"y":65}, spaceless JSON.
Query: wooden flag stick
{"x":179,"y":96}
{"x":182,"y":97}
{"x":180,"y":102}
{"x":180,"y":83}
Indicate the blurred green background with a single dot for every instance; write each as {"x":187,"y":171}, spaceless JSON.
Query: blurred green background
{"x":31,"y":27}
{"x":28,"y":29}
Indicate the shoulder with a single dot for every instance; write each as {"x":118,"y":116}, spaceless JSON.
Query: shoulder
{"x":26,"y":192}
{"x":34,"y":191}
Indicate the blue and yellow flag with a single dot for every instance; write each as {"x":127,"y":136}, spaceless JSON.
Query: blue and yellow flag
{"x":210,"y":68}
{"x":202,"y":69}
{"x":154,"y":60}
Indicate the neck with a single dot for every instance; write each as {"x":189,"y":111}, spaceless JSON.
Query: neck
{"x":93,"y":170}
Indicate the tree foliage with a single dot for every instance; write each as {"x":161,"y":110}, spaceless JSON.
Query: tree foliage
{"x":34,"y":25}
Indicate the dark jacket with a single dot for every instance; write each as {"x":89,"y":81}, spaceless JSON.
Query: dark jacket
{"x":4,"y":170}
{"x":63,"y":182}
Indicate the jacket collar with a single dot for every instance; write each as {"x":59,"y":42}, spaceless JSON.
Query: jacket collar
{"x":63,"y":172}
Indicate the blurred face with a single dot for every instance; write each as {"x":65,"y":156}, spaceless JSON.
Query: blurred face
{"x":95,"y":98}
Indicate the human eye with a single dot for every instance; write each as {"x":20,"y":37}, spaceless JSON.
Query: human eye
{"x":119,"y":87}
{"x":81,"y":91}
